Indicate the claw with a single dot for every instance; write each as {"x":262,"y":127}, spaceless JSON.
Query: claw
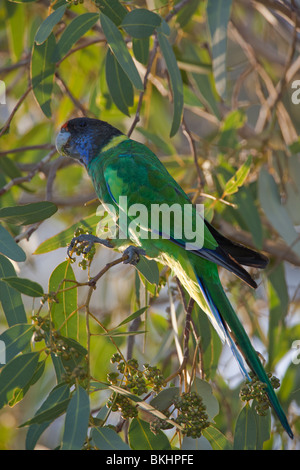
{"x":133,"y":253}
{"x":89,"y":240}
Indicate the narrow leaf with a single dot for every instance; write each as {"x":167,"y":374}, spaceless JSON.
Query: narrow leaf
{"x":176,"y":81}
{"x":42,"y":73}
{"x":15,"y":339}
{"x":16,"y":374}
{"x":140,"y":49}
{"x":216,"y":439}
{"x":55,"y":399}
{"x":28,"y":213}
{"x":106,"y":438}
{"x":142,"y":438}
{"x":140,"y":23}
{"x":245,"y":431}
{"x":48,"y":24}
{"x":119,"y":85}
{"x":120,"y":51}
{"x":133,"y":316}
{"x":239,"y":178}
{"x":62,"y":239}
{"x":9,"y":247}
{"x":77,"y":420}
{"x":275,"y":212}
{"x":218,"y":14}
{"x":113,"y":9}
{"x":25,"y":286}
{"x":11,"y":299}
{"x":66,"y":301}
{"x":73,"y":32}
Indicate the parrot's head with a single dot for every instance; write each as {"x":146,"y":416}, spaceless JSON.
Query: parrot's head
{"x":83,"y":138}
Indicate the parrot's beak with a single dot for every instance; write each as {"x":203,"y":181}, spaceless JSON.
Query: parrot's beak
{"x":62,"y":140}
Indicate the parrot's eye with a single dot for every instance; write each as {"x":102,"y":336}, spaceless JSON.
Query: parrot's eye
{"x":82,"y":124}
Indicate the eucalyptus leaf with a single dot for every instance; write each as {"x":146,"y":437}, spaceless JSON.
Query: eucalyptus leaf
{"x":9,"y":247}
{"x":15,"y":339}
{"x":42,"y":73}
{"x":25,"y":286}
{"x":218,"y":14}
{"x":106,"y":438}
{"x":16,"y":373}
{"x":176,"y":81}
{"x":28,"y":213}
{"x":73,"y":32}
{"x":48,"y":24}
{"x":77,"y":420}
{"x":119,"y":85}
{"x":140,"y":23}
{"x":11,"y":299}
{"x":116,"y":43}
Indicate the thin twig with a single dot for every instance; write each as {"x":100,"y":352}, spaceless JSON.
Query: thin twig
{"x":31,"y":174}
{"x":3,"y":153}
{"x":64,"y":87}
{"x":7,"y":124}
{"x":192,"y":144}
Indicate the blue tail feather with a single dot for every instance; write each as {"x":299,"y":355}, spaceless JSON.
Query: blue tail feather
{"x":223,"y":328}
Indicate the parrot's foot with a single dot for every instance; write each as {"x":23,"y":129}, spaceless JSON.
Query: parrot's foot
{"x":133,"y":253}
{"x":88,"y":240}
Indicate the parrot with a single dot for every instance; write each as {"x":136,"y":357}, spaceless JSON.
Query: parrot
{"x":121,"y":167}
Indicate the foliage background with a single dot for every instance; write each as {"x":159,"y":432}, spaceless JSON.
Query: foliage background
{"x":224,"y":95}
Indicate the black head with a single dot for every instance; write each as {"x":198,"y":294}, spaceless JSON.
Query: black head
{"x":83,"y":138}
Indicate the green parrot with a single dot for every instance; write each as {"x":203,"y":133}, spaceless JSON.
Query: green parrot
{"x":123,"y":169}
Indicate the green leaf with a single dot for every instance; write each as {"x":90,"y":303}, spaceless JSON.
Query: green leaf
{"x":278,"y":298}
{"x":62,"y":239}
{"x":275,"y":212}
{"x":42,"y":73}
{"x":105,"y":438}
{"x":245,"y":434}
{"x":28,"y":213}
{"x":263,"y":426}
{"x":15,"y":339}
{"x":140,"y":23}
{"x":133,"y":316}
{"x":164,"y":399}
{"x":218,"y":14}
{"x":176,"y":81}
{"x":149,"y":269}
{"x":48,"y":24}
{"x":53,"y":410}
{"x":216,"y":439}
{"x":233,"y":121}
{"x":16,"y":374}
{"x":113,"y":9}
{"x":77,"y":420}
{"x":120,"y":51}
{"x":73,"y":32}
{"x":19,"y":393}
{"x":25,"y":286}
{"x":142,"y":438}
{"x":119,"y":85}
{"x":15,"y":29}
{"x":11,"y":299}
{"x":204,"y":389}
{"x":66,"y":301}
{"x":140,"y":49}
{"x":55,"y":404}
{"x":239,"y":178}
{"x":9,"y":247}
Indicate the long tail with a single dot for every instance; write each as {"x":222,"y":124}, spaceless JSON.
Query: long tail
{"x":237,"y":338}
